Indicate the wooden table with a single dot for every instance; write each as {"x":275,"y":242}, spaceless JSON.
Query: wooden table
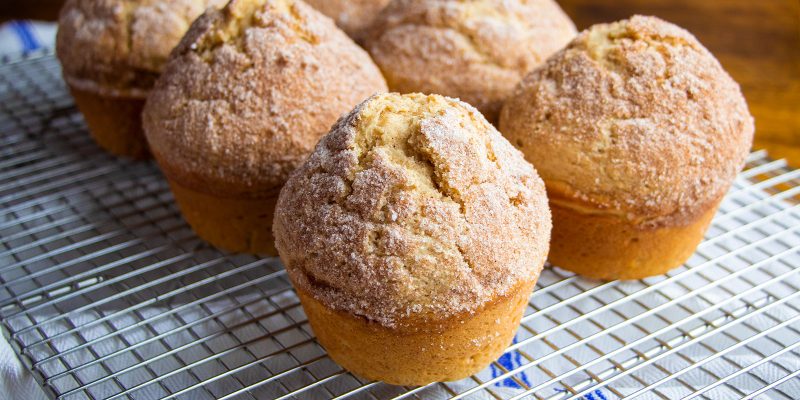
{"x":757,"y":41}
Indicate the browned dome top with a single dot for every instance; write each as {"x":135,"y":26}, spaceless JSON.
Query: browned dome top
{"x":413,"y":207}
{"x":634,"y":117}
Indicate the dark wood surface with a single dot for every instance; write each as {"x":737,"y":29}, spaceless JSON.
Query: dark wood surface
{"x":29,"y":9}
{"x":757,"y":41}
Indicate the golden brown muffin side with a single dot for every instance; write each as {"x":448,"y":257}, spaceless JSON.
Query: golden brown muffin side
{"x":119,"y":47}
{"x":607,"y":247}
{"x":350,"y":15}
{"x":418,"y":356}
{"x":476,"y":51}
{"x":248,"y":92}
{"x":634,"y":119}
{"x":114,"y":122}
{"x":411,"y":211}
{"x":240,"y":225}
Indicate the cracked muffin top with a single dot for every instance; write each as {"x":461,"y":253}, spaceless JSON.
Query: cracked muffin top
{"x":474,"y":50}
{"x":119,"y":47}
{"x":249,"y":91}
{"x":412,"y":208}
{"x":634,"y":118}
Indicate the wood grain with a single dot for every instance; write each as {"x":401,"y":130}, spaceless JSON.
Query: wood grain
{"x":757,"y":41}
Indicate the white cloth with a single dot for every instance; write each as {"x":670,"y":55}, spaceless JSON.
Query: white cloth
{"x":22,"y":37}
{"x":16,"y":383}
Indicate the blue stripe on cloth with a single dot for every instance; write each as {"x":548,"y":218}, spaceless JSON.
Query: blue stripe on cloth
{"x":24,"y":31}
{"x":510,"y":361}
{"x":598,"y":392}
{"x":31,"y":33}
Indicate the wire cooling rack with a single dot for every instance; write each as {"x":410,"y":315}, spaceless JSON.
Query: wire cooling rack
{"x":105,"y":293}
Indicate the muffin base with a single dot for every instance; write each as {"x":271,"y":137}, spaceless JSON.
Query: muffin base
{"x":241,"y":225}
{"x":407,"y":356}
{"x":606,"y":247}
{"x":115,"y":123}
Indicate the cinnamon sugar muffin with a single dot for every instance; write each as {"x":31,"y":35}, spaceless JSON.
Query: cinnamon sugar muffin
{"x":352,"y":16}
{"x":413,"y":235}
{"x":638,"y":133}
{"x":111,"y":53}
{"x":474,"y":50}
{"x":242,"y":101}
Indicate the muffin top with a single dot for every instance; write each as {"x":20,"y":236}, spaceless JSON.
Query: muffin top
{"x":350,"y":15}
{"x":413,"y":208}
{"x":119,"y":47}
{"x":634,"y":118}
{"x":476,"y":50}
{"x":249,"y":91}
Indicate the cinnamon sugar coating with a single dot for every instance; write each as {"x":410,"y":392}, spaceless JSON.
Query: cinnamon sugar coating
{"x":119,"y":47}
{"x":634,"y":118}
{"x":249,"y":91}
{"x":413,"y":208}
{"x":475,"y":50}
{"x":352,"y":16}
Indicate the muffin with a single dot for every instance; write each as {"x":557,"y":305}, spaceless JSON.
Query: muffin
{"x":242,"y":101}
{"x":413,"y":236}
{"x":638,"y":133}
{"x":352,"y":16}
{"x":111,"y":53}
{"x":475,"y":50}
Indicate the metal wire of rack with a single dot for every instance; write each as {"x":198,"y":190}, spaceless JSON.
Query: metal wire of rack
{"x":105,"y":293}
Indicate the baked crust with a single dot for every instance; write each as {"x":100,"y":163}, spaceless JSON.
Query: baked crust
{"x":241,"y":225}
{"x":115,"y":123}
{"x":413,"y":210}
{"x":634,"y":119}
{"x":607,"y":247}
{"x":249,"y":91}
{"x":352,"y":16}
{"x":418,"y":355}
{"x":119,"y":47}
{"x":476,"y":51}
